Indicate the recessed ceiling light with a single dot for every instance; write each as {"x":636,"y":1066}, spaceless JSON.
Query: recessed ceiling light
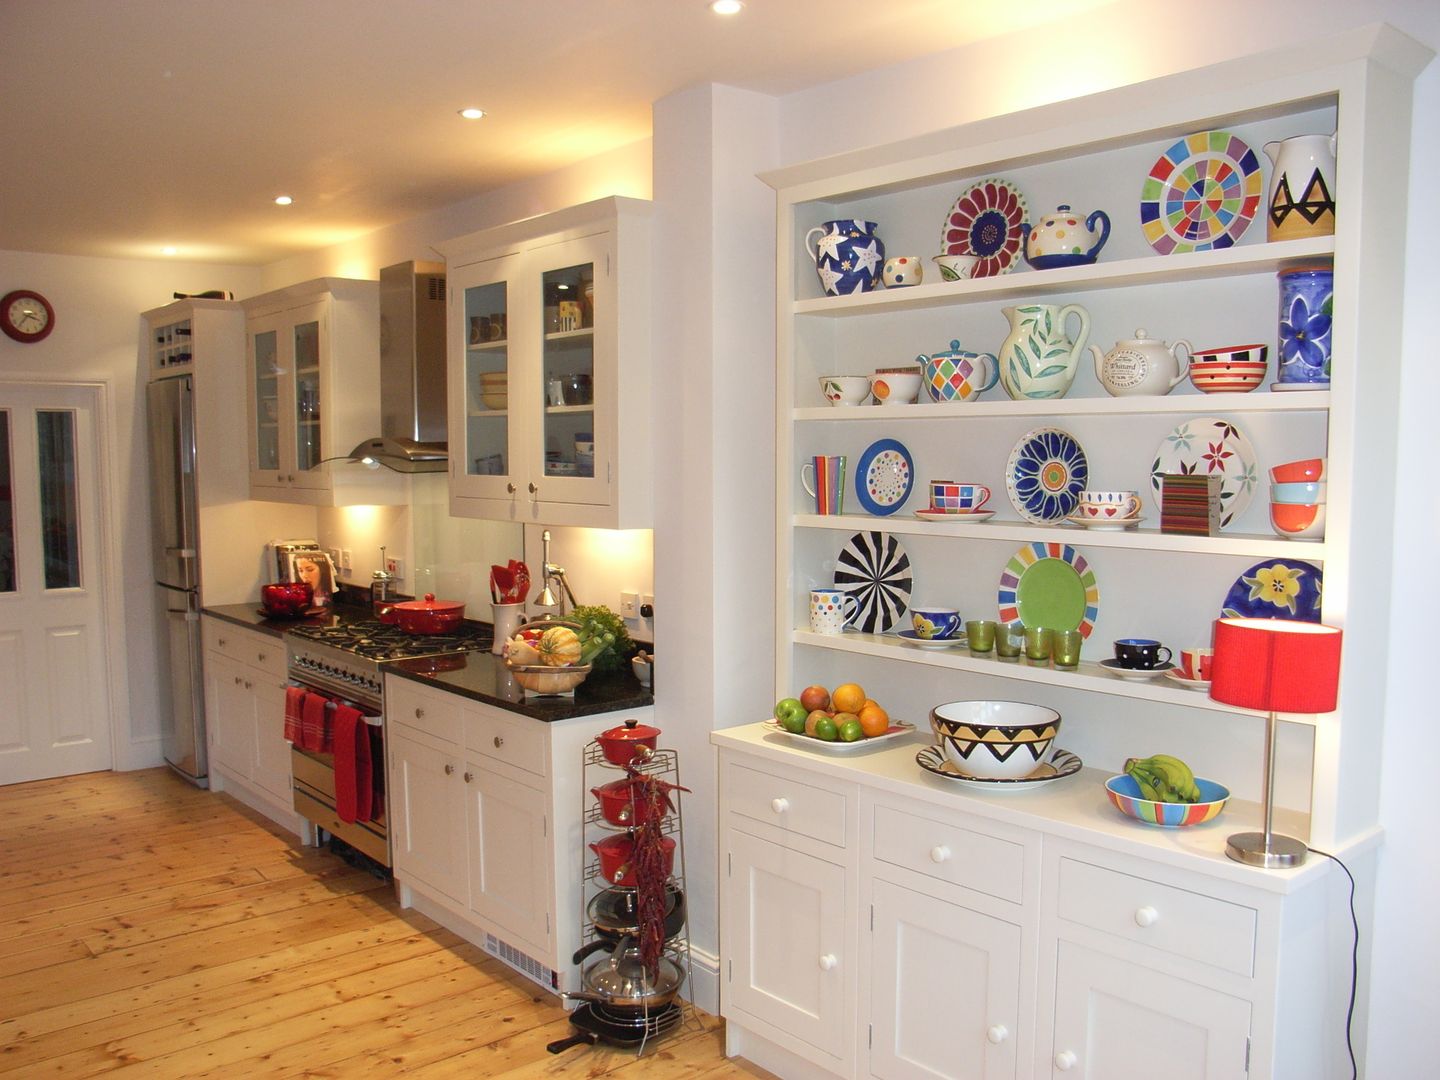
{"x":283,"y":200}
{"x":726,"y":7}
{"x":472,"y":113}
{"x":168,"y":250}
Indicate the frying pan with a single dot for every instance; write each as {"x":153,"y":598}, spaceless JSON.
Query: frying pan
{"x":596,"y":1025}
{"x":614,"y":916}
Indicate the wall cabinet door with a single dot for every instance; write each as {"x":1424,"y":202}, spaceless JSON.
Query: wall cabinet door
{"x":269,"y":392}
{"x":487,"y":408}
{"x":1116,"y":1020}
{"x":427,"y":814}
{"x":508,"y":854}
{"x":927,"y":952}
{"x":785,"y":923}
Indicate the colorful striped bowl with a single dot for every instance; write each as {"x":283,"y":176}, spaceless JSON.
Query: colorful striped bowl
{"x":1235,"y":370}
{"x":1125,"y":794}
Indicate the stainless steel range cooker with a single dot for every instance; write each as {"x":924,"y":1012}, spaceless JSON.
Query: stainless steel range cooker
{"x":346,"y":663}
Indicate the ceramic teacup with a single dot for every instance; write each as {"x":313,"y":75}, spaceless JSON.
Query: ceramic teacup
{"x":831,"y":610}
{"x":896,"y":387}
{"x":957,"y":267}
{"x":845,"y":389}
{"x":1113,"y":505}
{"x":956,"y":498}
{"x":1195,"y":663}
{"x":934,"y":623}
{"x":902,"y":270}
{"x":1141,"y":654}
{"x":1303,"y":494}
{"x":1307,"y":471}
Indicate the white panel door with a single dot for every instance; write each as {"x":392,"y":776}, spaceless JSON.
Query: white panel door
{"x":509,"y":883}
{"x":1115,"y":1021}
{"x":944,"y":989}
{"x":427,"y":816}
{"x":230,"y":713}
{"x":55,"y":709}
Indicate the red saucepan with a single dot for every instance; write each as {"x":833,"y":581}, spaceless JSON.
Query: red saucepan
{"x":617,"y":863}
{"x":619,"y":805}
{"x":622,"y":745}
{"x":429,"y":616}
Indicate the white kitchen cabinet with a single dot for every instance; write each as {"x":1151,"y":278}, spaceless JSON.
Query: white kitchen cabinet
{"x":313,"y":364}
{"x":245,"y":717}
{"x":534,"y":305}
{"x":485,"y":819}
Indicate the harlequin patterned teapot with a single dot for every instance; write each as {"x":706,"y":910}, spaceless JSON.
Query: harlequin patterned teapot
{"x":1063,"y":239}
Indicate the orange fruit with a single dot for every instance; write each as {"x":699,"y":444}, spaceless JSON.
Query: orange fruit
{"x":847,"y":698}
{"x":874,"y":720}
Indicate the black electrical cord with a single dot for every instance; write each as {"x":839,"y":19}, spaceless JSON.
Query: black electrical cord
{"x":1354,"y":961}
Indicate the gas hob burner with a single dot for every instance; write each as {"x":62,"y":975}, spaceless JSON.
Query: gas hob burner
{"x":377,"y":641}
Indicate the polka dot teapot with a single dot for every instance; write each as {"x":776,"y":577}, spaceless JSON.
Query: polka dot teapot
{"x":1065,"y":239}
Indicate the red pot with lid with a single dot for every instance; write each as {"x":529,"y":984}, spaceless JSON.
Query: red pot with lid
{"x":617,"y":858}
{"x":286,"y":599}
{"x":429,"y":616}
{"x":622,"y":803}
{"x":622,"y":745}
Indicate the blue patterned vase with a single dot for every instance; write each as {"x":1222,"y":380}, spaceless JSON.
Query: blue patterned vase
{"x":1306,"y":303}
{"x":849,"y":257}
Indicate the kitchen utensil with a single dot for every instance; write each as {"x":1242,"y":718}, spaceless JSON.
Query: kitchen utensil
{"x":985,"y":221}
{"x":617,"y":911}
{"x":884,"y":476}
{"x":1124,"y":793}
{"x":621,"y":984}
{"x":618,"y":803}
{"x":1208,"y":446}
{"x":1201,"y":193}
{"x":1142,"y":366}
{"x":1049,"y":585}
{"x":845,"y":389}
{"x":622,"y":745}
{"x":596,"y":1024}
{"x":429,"y":616}
{"x":643,"y":666}
{"x":1276,"y":589}
{"x":874,"y":568}
{"x":1062,"y":763}
{"x":1045,"y":475}
{"x":1037,"y":359}
{"x":848,"y":255}
{"x":617,"y":863}
{"x":543,"y":680}
{"x":1065,"y":238}
{"x":995,"y":739}
{"x":285,"y":599}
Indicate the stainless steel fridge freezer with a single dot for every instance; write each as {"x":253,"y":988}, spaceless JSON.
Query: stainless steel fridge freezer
{"x":175,"y":531}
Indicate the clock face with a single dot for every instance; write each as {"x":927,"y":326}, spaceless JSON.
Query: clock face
{"x":26,"y":316}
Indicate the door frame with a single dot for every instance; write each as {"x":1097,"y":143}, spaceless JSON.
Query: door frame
{"x":112,"y":600}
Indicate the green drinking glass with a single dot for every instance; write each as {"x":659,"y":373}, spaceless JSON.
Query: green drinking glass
{"x":1038,"y":641}
{"x":1065,"y":648}
{"x":1009,"y":638}
{"x":981,"y":635}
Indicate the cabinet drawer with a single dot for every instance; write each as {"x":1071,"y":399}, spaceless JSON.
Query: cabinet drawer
{"x":985,"y":864}
{"x":514,"y":740}
{"x":787,"y":804}
{"x":1163,"y":917}
{"x":429,"y":711}
{"x":258,"y":650}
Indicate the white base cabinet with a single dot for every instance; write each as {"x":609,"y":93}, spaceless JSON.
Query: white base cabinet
{"x":875,"y":922}
{"x":485,"y":823}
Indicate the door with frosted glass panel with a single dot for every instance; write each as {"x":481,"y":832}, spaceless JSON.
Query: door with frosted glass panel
{"x":486,"y":426}
{"x":54,"y":714}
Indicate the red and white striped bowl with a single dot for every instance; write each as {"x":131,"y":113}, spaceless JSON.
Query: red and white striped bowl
{"x":1233,"y":370}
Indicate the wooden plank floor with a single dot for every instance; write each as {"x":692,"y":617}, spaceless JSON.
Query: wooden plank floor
{"x":151,"y":929}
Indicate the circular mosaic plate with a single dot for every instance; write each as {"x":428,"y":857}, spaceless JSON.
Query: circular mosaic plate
{"x":874,"y":568}
{"x":1201,"y":193}
{"x":1046,"y":472}
{"x":985,"y":221}
{"x":1276,"y":589}
{"x":1206,"y":446}
{"x":885,"y":475}
{"x":1049,"y":585}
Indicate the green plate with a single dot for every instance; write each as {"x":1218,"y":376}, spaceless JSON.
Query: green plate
{"x":1049,"y":585}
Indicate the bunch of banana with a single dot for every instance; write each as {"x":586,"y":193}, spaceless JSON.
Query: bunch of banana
{"x":1163,"y":778}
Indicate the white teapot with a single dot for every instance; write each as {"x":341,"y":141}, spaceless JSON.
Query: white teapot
{"x":1141,"y":366}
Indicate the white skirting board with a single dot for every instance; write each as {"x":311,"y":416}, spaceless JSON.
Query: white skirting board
{"x":285,"y":817}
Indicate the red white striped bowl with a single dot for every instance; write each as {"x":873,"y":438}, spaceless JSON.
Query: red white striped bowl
{"x":1237,"y":369}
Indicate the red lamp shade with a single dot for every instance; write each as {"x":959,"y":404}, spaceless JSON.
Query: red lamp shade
{"x":1276,"y":665}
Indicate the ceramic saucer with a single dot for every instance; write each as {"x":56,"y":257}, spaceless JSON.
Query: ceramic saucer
{"x":956,"y":517}
{"x":1062,"y":763}
{"x":1135,"y":674}
{"x":1175,"y":676}
{"x":1105,"y":524}
{"x":912,"y":638}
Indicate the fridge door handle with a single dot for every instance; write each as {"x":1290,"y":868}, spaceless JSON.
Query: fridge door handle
{"x":183,"y":552}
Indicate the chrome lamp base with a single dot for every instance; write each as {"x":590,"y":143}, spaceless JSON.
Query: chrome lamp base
{"x":1251,"y":848}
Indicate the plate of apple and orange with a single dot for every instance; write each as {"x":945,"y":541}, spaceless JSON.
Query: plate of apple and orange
{"x":841,"y":719}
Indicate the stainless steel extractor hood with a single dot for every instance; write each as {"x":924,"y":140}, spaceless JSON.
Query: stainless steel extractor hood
{"x":412,"y":434}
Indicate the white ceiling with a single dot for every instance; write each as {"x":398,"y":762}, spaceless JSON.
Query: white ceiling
{"x":129,"y":125}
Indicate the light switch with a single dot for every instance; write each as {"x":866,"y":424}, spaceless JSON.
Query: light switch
{"x":629,"y":605}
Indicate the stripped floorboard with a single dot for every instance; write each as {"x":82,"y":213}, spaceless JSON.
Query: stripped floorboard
{"x":149,"y":929}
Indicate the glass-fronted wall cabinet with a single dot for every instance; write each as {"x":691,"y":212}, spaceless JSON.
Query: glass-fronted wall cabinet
{"x":547,"y":422}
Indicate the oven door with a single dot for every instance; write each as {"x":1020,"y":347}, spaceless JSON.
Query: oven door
{"x":313,"y":772}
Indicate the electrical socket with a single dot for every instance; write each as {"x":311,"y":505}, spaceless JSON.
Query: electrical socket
{"x":647,"y":603}
{"x":395,"y":566}
{"x":629,"y":605}
{"x":346,"y":559}
{"x":334,"y":554}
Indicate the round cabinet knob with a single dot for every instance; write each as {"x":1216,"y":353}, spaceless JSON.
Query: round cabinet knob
{"x":939,"y":853}
{"x":828,"y":962}
{"x":499,"y":742}
{"x":449,"y":769}
{"x":1065,"y":1060}
{"x":469,"y":776}
{"x":533,"y":489}
{"x":419,"y":714}
{"x":260,"y":656}
{"x":238,"y":680}
{"x":248,"y":684}
{"x":998,"y":1033}
{"x":510,"y":489}
{"x":1146,"y":916}
{"x":779,"y":805}
{"x":220,"y":642}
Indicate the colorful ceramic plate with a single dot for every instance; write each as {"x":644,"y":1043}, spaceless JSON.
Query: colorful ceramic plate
{"x":1136,"y":674}
{"x":969,"y":517}
{"x":1176,"y":676}
{"x":896,"y":729}
{"x":1201,"y":193}
{"x":985,"y":221}
{"x":873,"y":568}
{"x":1276,"y":589}
{"x":1105,"y":524}
{"x":912,"y":638}
{"x":885,"y":476}
{"x":1206,"y":446}
{"x":1046,"y":472}
{"x":1062,"y":763}
{"x":1049,"y":585}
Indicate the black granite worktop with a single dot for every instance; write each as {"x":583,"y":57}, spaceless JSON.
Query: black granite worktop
{"x":480,"y":676}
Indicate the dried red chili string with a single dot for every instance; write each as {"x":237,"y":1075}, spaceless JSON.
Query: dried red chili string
{"x":653,"y":794}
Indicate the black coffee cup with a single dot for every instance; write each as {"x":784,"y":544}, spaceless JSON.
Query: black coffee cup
{"x":1141,"y":654}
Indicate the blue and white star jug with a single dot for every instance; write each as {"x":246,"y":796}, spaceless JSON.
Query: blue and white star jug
{"x":848,"y":256}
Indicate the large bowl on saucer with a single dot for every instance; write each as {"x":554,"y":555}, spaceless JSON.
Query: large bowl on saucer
{"x":995,"y":740}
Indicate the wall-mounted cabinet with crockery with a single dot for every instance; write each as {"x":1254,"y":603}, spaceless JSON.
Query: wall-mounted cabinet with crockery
{"x":313,"y":354}
{"x":549,"y":369}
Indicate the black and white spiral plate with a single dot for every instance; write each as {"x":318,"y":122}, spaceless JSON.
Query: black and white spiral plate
{"x":875,"y":570}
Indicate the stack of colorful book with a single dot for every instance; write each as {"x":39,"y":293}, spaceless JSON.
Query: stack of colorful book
{"x":1190,"y":504}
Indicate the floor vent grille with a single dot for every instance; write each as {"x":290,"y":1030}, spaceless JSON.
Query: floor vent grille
{"x":522,"y":962}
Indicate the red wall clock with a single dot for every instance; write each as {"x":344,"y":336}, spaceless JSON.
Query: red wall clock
{"x":26,"y":316}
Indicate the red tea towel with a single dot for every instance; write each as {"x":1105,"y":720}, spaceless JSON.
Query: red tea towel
{"x":354,"y":784}
{"x":312,"y":721}
{"x":294,"y":705}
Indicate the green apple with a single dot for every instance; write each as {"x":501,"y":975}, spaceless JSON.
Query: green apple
{"x":825,"y":730}
{"x":791,"y":714}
